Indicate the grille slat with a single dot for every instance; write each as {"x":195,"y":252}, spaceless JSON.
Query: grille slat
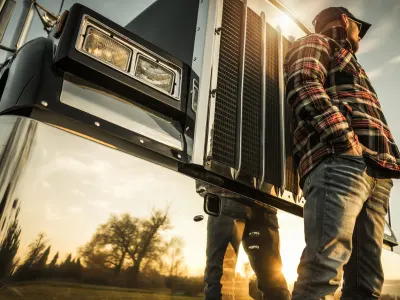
{"x":252,"y":96}
{"x":272,"y":144}
{"x":224,"y":139}
{"x":291,"y":174}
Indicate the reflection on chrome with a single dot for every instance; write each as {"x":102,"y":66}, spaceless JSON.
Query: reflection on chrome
{"x":80,"y":220}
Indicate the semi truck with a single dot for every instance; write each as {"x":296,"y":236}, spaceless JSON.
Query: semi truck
{"x":109,"y":113}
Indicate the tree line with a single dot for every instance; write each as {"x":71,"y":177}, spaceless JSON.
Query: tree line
{"x":124,"y":251}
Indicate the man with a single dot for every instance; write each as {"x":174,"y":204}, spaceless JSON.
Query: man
{"x":346,"y":156}
{"x":258,"y":230}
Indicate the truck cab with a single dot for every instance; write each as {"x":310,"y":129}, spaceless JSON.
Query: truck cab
{"x":109,"y":115}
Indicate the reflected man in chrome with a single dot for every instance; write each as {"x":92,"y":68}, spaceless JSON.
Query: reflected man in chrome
{"x":258,"y":230}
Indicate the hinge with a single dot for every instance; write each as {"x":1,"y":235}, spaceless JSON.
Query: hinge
{"x":218,"y":30}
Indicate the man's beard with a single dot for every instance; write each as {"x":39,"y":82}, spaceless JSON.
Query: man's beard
{"x":354,"y":46}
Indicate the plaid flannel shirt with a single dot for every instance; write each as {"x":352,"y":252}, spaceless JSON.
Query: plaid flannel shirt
{"x":335,"y":106}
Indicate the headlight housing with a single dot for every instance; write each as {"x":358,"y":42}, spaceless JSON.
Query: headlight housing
{"x":109,"y":47}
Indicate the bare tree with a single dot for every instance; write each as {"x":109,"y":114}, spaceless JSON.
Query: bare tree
{"x":150,"y":244}
{"x":127,"y":241}
{"x":53,"y":261}
{"x":42,"y":261}
{"x":29,"y":268}
{"x":110,"y":244}
{"x":9,"y":248}
{"x":174,"y":257}
{"x":36,"y":249}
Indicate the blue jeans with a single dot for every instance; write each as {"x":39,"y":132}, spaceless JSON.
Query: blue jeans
{"x":224,"y":235}
{"x":344,"y":218}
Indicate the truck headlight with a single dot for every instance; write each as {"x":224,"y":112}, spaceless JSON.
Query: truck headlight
{"x":109,"y":47}
{"x":154,"y":74}
{"x":106,"y":49}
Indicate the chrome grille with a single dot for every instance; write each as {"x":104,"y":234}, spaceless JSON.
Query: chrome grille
{"x":225,"y":129}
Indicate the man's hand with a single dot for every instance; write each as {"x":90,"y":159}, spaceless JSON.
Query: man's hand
{"x":356,"y":150}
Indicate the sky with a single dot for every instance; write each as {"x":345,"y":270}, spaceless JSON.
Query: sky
{"x":112,"y":178}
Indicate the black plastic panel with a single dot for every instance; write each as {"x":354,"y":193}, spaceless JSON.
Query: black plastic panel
{"x":170,"y":25}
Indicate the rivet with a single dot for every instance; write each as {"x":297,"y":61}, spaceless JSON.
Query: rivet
{"x":44,"y":103}
{"x":179,"y":156}
{"x":142,"y":141}
{"x":254,"y":233}
{"x":97,"y":124}
{"x":198,"y":28}
{"x":195,"y":58}
{"x":254,"y":247}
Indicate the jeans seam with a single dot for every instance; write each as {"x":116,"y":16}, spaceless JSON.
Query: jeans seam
{"x":326,"y":180}
{"x":326,"y":177}
{"x":357,"y":259}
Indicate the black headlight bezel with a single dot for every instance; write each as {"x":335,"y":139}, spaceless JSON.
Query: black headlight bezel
{"x":68,"y":59}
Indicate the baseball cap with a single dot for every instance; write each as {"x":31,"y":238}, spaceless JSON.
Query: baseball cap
{"x":334,"y":13}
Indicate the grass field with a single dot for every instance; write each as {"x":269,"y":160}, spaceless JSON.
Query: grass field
{"x":63,"y":291}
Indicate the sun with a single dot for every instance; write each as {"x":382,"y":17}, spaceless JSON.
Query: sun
{"x":284,"y":22}
{"x":289,"y":269}
{"x":289,"y":265}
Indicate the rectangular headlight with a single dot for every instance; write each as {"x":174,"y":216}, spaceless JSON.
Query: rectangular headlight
{"x":106,"y":49}
{"x":154,"y":74}
{"x":109,"y":47}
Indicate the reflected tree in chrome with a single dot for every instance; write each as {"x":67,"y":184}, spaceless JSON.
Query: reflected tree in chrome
{"x":126,"y":242}
{"x":9,"y":247}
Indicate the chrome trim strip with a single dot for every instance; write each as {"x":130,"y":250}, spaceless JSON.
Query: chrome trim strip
{"x":239,"y":108}
{"x":282,"y":110}
{"x":214,"y":80}
{"x":199,"y":49}
{"x":2,"y":2}
{"x":291,"y":15}
{"x":136,"y":49}
{"x":263,"y":97}
{"x":24,"y":24}
{"x":121,"y":113}
{"x":210,"y":46}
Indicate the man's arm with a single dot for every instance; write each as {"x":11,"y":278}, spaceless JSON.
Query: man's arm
{"x":306,"y":67}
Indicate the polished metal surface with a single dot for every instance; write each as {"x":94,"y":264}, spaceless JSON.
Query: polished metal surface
{"x":213,"y":86}
{"x":263,"y":99}
{"x":123,"y":114}
{"x":282,"y":111}
{"x":201,"y":34}
{"x":291,"y":15}
{"x":75,"y":216}
{"x":239,"y":112}
{"x":24,"y":24}
{"x":207,"y":73}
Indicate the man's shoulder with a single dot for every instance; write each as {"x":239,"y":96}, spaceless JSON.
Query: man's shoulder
{"x":313,"y":38}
